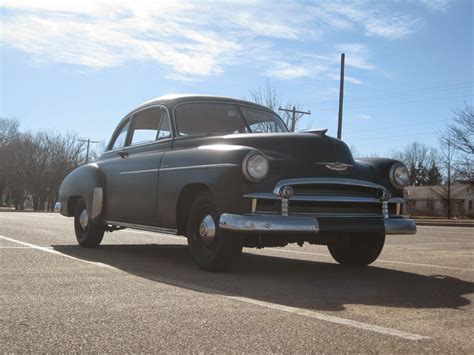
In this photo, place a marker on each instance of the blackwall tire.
(88, 234)
(359, 250)
(211, 248)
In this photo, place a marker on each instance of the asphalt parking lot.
(140, 292)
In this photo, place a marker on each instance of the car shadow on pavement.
(297, 283)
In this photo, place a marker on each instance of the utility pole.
(449, 179)
(294, 118)
(88, 144)
(341, 98)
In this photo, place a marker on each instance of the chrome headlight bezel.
(249, 172)
(396, 178)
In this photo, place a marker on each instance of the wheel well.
(186, 197)
(71, 204)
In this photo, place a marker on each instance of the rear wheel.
(88, 234)
(358, 250)
(211, 248)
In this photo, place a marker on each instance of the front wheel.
(88, 234)
(211, 248)
(358, 249)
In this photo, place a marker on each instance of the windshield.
(220, 119)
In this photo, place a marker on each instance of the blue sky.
(82, 65)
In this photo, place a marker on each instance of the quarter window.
(165, 128)
(121, 137)
(261, 121)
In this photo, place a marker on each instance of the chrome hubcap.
(207, 229)
(84, 219)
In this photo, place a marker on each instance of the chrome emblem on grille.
(336, 166)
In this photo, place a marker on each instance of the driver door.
(131, 172)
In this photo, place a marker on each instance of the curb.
(443, 224)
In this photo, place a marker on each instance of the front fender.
(218, 167)
(381, 168)
(87, 182)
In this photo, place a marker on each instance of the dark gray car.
(226, 174)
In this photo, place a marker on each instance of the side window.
(208, 118)
(121, 137)
(145, 126)
(150, 125)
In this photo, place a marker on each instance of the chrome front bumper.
(259, 223)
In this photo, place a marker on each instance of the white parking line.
(293, 310)
(332, 319)
(52, 251)
(7, 247)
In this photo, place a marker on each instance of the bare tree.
(33, 165)
(420, 159)
(8, 133)
(461, 135)
(269, 96)
(9, 129)
(461, 132)
(448, 152)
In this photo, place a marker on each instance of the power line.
(410, 92)
(447, 87)
(402, 102)
(396, 126)
(385, 97)
(388, 137)
(294, 118)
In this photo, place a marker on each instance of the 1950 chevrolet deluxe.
(227, 174)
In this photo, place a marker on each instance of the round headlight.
(255, 167)
(399, 175)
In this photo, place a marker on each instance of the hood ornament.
(336, 166)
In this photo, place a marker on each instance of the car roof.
(173, 100)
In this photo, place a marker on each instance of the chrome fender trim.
(57, 207)
(97, 203)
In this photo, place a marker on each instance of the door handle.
(122, 154)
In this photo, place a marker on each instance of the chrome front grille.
(333, 190)
(325, 196)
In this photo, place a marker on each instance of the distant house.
(433, 200)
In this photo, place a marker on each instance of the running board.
(142, 227)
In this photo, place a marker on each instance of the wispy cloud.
(375, 18)
(191, 40)
(437, 5)
(362, 117)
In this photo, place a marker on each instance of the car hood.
(305, 155)
(316, 147)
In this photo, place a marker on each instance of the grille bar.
(318, 196)
(327, 181)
